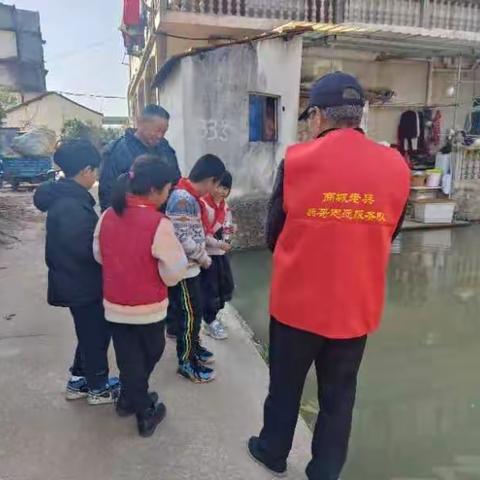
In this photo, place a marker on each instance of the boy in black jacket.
(74, 277)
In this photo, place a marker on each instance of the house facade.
(239, 102)
(164, 28)
(22, 66)
(410, 55)
(50, 110)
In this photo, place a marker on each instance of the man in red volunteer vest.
(337, 204)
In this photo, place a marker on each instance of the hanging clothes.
(131, 13)
(408, 132)
(133, 25)
(414, 131)
(436, 129)
(472, 122)
(422, 133)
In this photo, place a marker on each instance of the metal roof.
(391, 40)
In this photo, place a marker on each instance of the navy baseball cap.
(335, 90)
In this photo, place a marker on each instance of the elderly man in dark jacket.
(149, 137)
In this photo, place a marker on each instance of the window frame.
(276, 118)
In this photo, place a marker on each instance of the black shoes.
(278, 469)
(148, 421)
(125, 410)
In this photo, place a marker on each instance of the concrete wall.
(208, 99)
(8, 44)
(210, 93)
(21, 50)
(171, 98)
(467, 196)
(50, 111)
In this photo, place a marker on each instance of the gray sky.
(84, 49)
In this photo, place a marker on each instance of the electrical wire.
(84, 49)
(199, 39)
(91, 95)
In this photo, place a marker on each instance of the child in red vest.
(140, 254)
(217, 281)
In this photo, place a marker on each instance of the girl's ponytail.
(147, 172)
(119, 193)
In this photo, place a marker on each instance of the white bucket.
(434, 180)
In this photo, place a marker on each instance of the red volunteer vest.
(343, 195)
(130, 272)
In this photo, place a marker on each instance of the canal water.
(418, 407)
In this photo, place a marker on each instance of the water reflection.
(418, 411)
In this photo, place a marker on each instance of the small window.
(263, 118)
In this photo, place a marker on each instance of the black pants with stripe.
(337, 362)
(186, 300)
(138, 349)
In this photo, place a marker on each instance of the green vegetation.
(98, 135)
(7, 100)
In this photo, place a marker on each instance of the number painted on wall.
(214, 130)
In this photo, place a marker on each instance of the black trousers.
(186, 300)
(217, 287)
(172, 315)
(93, 335)
(337, 362)
(138, 349)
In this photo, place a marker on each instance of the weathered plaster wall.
(8, 44)
(21, 50)
(467, 196)
(208, 98)
(171, 98)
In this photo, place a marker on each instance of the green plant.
(7, 100)
(98, 135)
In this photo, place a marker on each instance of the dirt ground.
(16, 211)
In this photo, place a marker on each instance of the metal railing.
(328, 11)
(460, 15)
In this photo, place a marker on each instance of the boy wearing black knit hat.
(74, 277)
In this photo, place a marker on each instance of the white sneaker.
(106, 395)
(216, 330)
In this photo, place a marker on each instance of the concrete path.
(44, 437)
